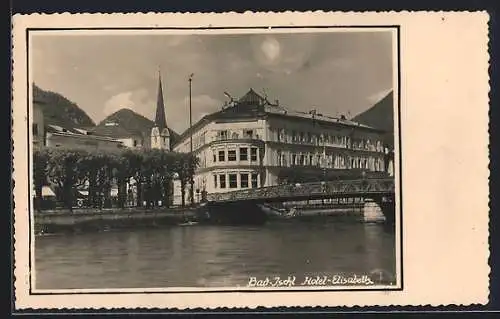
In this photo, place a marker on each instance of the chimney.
(277, 102)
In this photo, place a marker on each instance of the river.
(210, 256)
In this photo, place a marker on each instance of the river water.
(210, 256)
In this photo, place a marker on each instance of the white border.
(437, 233)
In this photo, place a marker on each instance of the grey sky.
(334, 72)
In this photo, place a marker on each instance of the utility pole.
(191, 190)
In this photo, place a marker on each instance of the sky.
(333, 72)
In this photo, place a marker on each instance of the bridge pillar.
(387, 206)
(372, 212)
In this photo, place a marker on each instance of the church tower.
(160, 136)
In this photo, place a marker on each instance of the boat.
(189, 223)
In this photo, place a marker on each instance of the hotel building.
(253, 143)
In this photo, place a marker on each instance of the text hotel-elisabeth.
(253, 143)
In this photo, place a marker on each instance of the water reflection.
(210, 256)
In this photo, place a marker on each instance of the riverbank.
(83, 220)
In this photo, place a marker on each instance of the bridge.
(380, 190)
(315, 190)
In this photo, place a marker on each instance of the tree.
(64, 171)
(40, 173)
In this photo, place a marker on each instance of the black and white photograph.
(240, 160)
(202, 161)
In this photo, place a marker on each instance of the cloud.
(203, 103)
(136, 100)
(342, 63)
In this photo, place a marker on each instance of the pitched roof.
(72, 131)
(251, 97)
(115, 130)
(253, 105)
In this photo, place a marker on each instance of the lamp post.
(191, 190)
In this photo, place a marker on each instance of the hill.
(380, 116)
(135, 123)
(58, 110)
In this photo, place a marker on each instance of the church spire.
(160, 118)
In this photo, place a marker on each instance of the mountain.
(134, 123)
(380, 116)
(58, 110)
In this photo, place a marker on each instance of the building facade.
(38, 125)
(253, 143)
(74, 138)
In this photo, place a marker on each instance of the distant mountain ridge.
(58, 110)
(129, 120)
(133, 123)
(381, 116)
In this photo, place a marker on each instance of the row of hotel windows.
(231, 180)
(234, 135)
(330, 161)
(292, 136)
(222, 135)
(282, 135)
(220, 155)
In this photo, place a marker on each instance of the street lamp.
(191, 190)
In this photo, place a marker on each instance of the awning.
(84, 193)
(47, 192)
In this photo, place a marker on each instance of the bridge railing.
(334, 188)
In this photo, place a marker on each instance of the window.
(253, 154)
(215, 157)
(35, 129)
(310, 160)
(135, 143)
(215, 181)
(278, 157)
(233, 181)
(231, 155)
(234, 136)
(302, 137)
(223, 135)
(243, 154)
(244, 180)
(318, 160)
(248, 133)
(222, 156)
(294, 136)
(222, 181)
(294, 159)
(254, 180)
(302, 159)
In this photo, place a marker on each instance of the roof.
(116, 131)
(253, 105)
(77, 132)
